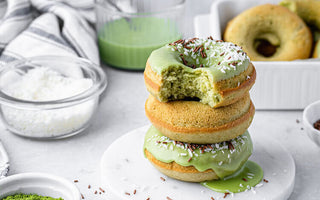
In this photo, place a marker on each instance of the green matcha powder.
(29, 197)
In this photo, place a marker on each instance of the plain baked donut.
(215, 72)
(308, 10)
(316, 51)
(274, 24)
(194, 122)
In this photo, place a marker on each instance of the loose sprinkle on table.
(212, 198)
(134, 191)
(127, 193)
(89, 186)
(226, 194)
(82, 197)
(265, 180)
(163, 179)
(76, 181)
(101, 190)
(169, 198)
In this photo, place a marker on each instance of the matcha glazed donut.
(194, 162)
(215, 72)
(273, 26)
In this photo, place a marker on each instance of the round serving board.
(125, 171)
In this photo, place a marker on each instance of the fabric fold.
(45, 27)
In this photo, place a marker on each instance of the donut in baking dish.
(316, 51)
(192, 121)
(194, 162)
(215, 72)
(308, 10)
(270, 33)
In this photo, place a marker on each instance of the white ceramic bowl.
(310, 115)
(39, 183)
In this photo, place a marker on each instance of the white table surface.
(122, 110)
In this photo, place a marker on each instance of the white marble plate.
(124, 169)
(4, 161)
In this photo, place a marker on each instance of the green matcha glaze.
(223, 59)
(29, 197)
(219, 157)
(247, 177)
(128, 44)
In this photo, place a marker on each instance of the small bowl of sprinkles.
(50, 97)
(311, 120)
(37, 186)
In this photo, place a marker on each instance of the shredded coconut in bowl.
(45, 84)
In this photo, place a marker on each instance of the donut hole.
(191, 99)
(179, 84)
(265, 48)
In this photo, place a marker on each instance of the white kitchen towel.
(47, 27)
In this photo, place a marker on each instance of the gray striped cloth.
(47, 27)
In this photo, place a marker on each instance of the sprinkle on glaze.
(228, 56)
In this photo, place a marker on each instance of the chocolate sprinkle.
(226, 194)
(230, 145)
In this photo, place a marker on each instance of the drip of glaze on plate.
(247, 177)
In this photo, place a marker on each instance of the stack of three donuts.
(194, 138)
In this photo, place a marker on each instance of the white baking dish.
(279, 85)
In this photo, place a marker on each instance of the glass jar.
(129, 30)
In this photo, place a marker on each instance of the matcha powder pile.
(29, 197)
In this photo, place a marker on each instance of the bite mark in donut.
(196, 69)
